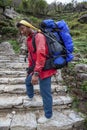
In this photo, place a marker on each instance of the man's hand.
(34, 79)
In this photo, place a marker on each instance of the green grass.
(15, 45)
(80, 46)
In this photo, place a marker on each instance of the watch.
(36, 73)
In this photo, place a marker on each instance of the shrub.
(84, 86)
(9, 31)
(35, 21)
(3, 23)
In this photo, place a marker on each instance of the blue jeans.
(45, 91)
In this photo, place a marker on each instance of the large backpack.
(59, 41)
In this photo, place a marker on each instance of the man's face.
(24, 30)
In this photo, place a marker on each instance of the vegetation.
(36, 11)
(4, 4)
(36, 7)
(15, 44)
(84, 86)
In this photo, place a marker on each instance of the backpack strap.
(49, 39)
(47, 42)
(33, 42)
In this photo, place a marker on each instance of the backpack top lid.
(48, 23)
(62, 25)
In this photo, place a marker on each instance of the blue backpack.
(59, 41)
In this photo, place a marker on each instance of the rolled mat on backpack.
(24, 22)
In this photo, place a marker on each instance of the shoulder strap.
(47, 42)
(33, 41)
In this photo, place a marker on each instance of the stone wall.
(81, 80)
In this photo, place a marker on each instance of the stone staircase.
(16, 114)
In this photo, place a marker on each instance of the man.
(38, 75)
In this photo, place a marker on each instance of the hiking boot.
(28, 101)
(43, 119)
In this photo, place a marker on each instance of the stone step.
(3, 62)
(13, 56)
(17, 113)
(20, 102)
(21, 76)
(25, 120)
(13, 66)
(18, 80)
(12, 73)
(21, 89)
(2, 52)
(19, 58)
(9, 73)
(4, 59)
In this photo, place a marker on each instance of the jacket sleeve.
(40, 41)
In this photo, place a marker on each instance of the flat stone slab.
(18, 121)
(14, 76)
(12, 89)
(24, 120)
(6, 48)
(69, 120)
(5, 121)
(17, 101)
(21, 89)
(14, 65)
(9, 57)
(12, 58)
(18, 80)
(4, 60)
(13, 80)
(14, 73)
(10, 101)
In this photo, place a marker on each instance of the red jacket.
(39, 56)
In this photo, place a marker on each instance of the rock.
(10, 13)
(23, 48)
(9, 102)
(5, 121)
(6, 48)
(81, 68)
(82, 77)
(24, 120)
(83, 19)
(62, 121)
